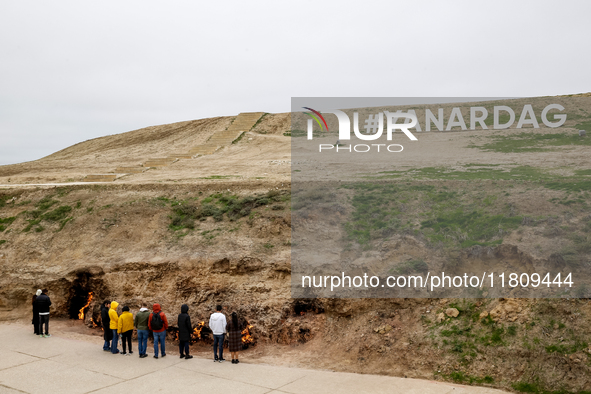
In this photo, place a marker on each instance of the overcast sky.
(76, 70)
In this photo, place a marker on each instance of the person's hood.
(156, 308)
(142, 309)
(126, 312)
(184, 308)
(216, 316)
(38, 292)
(114, 305)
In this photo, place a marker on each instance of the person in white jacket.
(217, 324)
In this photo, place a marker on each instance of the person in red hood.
(158, 324)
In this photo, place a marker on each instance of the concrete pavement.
(29, 364)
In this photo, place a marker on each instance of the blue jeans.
(142, 341)
(114, 349)
(107, 345)
(160, 337)
(218, 342)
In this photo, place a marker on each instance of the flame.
(81, 313)
(196, 335)
(246, 337)
(94, 325)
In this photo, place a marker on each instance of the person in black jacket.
(36, 313)
(185, 330)
(43, 304)
(106, 323)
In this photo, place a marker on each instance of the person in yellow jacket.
(125, 328)
(113, 325)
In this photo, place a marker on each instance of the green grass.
(572, 186)
(57, 214)
(532, 142)
(237, 140)
(562, 348)
(6, 222)
(450, 218)
(461, 377)
(528, 387)
(259, 121)
(303, 133)
(63, 223)
(219, 177)
(584, 126)
(219, 206)
(32, 222)
(3, 241)
(471, 228)
(411, 267)
(45, 203)
(3, 199)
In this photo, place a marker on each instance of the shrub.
(45, 203)
(57, 214)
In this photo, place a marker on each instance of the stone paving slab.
(260, 375)
(29, 364)
(47, 376)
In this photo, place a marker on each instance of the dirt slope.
(217, 229)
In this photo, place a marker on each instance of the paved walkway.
(29, 364)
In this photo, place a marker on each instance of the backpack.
(157, 323)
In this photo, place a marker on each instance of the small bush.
(58, 214)
(6, 222)
(45, 203)
(526, 387)
(32, 222)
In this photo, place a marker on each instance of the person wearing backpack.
(185, 331)
(141, 323)
(158, 323)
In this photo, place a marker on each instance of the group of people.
(117, 326)
(120, 326)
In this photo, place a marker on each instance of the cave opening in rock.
(307, 305)
(83, 298)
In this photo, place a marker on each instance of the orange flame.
(81, 313)
(246, 337)
(197, 331)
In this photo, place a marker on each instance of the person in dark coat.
(234, 329)
(185, 331)
(106, 323)
(36, 313)
(43, 303)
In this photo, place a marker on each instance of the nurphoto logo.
(374, 124)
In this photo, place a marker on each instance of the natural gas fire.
(81, 313)
(196, 335)
(247, 339)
